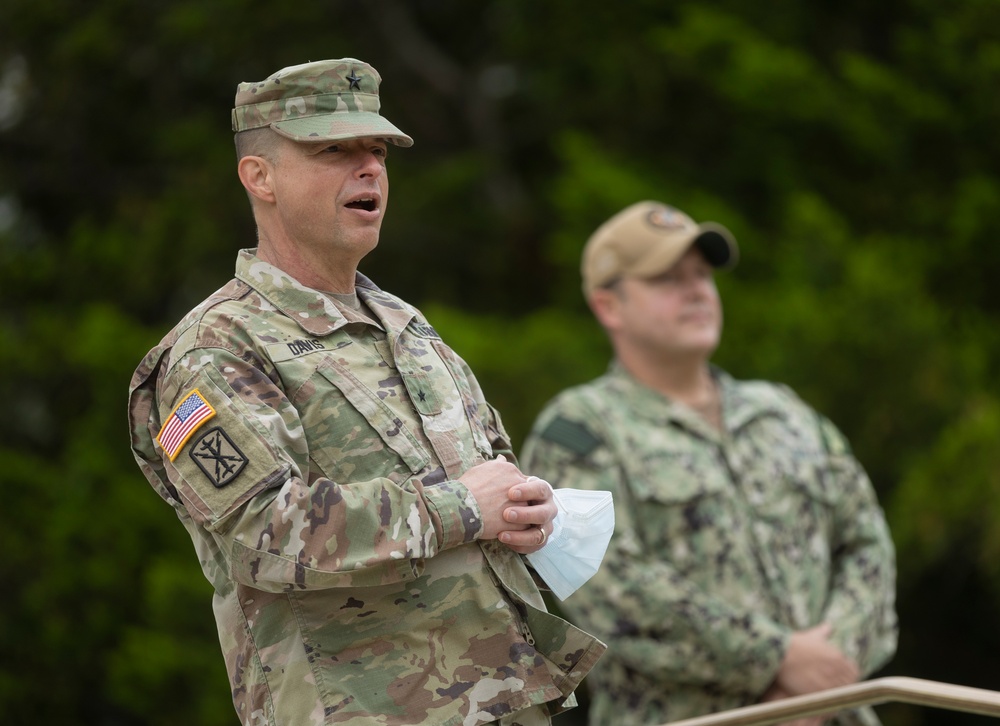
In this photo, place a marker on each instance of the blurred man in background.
(351, 495)
(750, 559)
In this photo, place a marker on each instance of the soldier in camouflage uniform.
(750, 559)
(352, 497)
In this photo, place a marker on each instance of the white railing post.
(867, 693)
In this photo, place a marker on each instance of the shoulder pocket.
(227, 459)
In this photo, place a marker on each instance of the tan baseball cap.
(646, 239)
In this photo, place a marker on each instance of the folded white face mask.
(580, 535)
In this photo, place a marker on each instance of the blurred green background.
(851, 146)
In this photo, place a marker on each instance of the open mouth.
(368, 205)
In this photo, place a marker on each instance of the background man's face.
(677, 312)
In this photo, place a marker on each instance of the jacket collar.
(311, 310)
(741, 403)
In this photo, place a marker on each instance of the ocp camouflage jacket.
(313, 458)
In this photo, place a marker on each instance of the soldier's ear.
(256, 175)
(605, 303)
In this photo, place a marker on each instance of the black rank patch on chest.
(218, 457)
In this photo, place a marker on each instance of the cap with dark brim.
(718, 245)
(646, 239)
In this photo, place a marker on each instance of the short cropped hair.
(256, 142)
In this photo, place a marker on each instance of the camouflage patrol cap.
(647, 238)
(324, 100)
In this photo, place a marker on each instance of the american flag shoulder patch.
(186, 418)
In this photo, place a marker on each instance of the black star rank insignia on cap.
(218, 457)
(355, 81)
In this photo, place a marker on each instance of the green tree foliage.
(850, 146)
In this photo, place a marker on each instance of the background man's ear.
(605, 304)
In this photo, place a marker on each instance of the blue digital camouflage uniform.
(724, 543)
(313, 458)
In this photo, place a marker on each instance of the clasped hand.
(516, 509)
(812, 663)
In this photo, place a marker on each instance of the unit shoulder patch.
(572, 435)
(219, 458)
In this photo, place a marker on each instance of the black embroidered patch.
(217, 456)
(574, 436)
(424, 330)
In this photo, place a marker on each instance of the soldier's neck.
(688, 382)
(320, 272)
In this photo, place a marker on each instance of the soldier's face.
(332, 196)
(675, 313)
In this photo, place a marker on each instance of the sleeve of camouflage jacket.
(280, 523)
(861, 606)
(653, 619)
